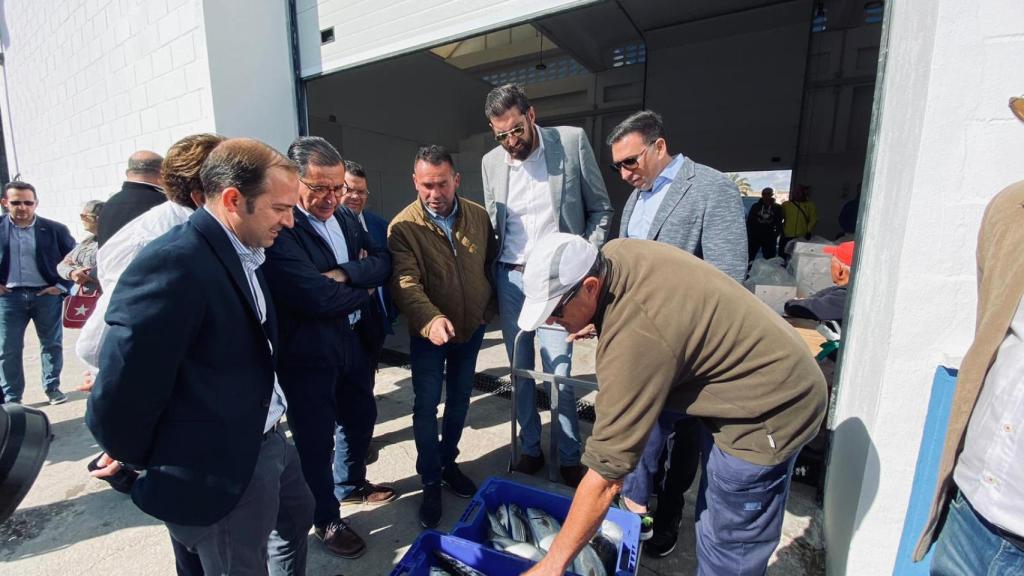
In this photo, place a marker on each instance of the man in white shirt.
(537, 182)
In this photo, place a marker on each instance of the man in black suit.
(30, 289)
(322, 274)
(188, 390)
(140, 192)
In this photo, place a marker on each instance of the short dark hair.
(355, 168)
(306, 150)
(503, 98)
(241, 163)
(435, 155)
(150, 166)
(645, 122)
(769, 190)
(20, 185)
(180, 169)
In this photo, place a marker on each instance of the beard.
(521, 150)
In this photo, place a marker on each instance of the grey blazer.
(701, 213)
(578, 194)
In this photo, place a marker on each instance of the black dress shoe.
(530, 464)
(460, 484)
(430, 508)
(572, 475)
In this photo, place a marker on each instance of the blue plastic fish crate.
(473, 526)
(420, 557)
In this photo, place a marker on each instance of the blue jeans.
(556, 358)
(969, 544)
(16, 308)
(740, 507)
(452, 367)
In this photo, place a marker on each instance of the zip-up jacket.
(435, 277)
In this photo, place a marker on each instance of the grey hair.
(504, 98)
(93, 207)
(147, 166)
(306, 150)
(647, 123)
(355, 168)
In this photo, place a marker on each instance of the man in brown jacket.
(442, 248)
(709, 349)
(977, 518)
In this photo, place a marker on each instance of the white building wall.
(945, 144)
(89, 82)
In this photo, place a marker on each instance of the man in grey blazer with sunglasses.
(537, 182)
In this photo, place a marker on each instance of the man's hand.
(82, 276)
(49, 291)
(441, 331)
(363, 254)
(108, 467)
(337, 274)
(4, 290)
(586, 333)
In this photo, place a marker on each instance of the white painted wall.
(88, 83)
(368, 31)
(945, 144)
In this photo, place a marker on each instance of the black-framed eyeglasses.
(323, 190)
(22, 202)
(629, 163)
(518, 132)
(560, 308)
(350, 191)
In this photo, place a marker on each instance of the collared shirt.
(251, 259)
(990, 471)
(24, 271)
(529, 213)
(648, 201)
(445, 223)
(377, 291)
(331, 232)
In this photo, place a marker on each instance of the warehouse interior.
(743, 85)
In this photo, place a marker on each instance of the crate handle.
(470, 510)
(627, 559)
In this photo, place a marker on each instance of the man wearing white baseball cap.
(674, 333)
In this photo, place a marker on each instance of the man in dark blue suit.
(323, 274)
(188, 390)
(30, 289)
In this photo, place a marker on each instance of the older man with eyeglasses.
(537, 182)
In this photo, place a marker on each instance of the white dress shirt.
(112, 260)
(990, 471)
(529, 212)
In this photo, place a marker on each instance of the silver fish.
(543, 527)
(611, 531)
(588, 563)
(456, 566)
(502, 516)
(517, 524)
(435, 571)
(521, 549)
(606, 551)
(497, 527)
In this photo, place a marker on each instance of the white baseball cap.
(558, 263)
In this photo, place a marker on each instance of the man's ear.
(231, 199)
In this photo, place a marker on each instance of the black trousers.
(766, 244)
(683, 462)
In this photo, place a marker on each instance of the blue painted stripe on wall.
(926, 473)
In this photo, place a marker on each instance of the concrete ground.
(72, 524)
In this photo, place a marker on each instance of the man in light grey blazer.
(698, 209)
(537, 182)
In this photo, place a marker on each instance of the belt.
(507, 266)
(1010, 537)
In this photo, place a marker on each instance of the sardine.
(521, 549)
(497, 527)
(502, 515)
(543, 527)
(456, 566)
(588, 563)
(517, 524)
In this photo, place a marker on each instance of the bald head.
(144, 166)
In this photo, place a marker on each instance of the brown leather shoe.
(572, 475)
(371, 494)
(530, 464)
(341, 539)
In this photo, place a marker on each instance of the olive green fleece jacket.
(675, 333)
(432, 277)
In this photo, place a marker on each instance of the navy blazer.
(187, 374)
(378, 229)
(53, 242)
(314, 308)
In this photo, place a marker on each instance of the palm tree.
(742, 183)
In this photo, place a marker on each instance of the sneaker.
(341, 539)
(663, 540)
(430, 508)
(530, 464)
(646, 520)
(56, 397)
(371, 494)
(573, 475)
(453, 479)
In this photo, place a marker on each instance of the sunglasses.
(560, 308)
(323, 190)
(518, 131)
(628, 163)
(22, 202)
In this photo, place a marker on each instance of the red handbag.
(79, 306)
